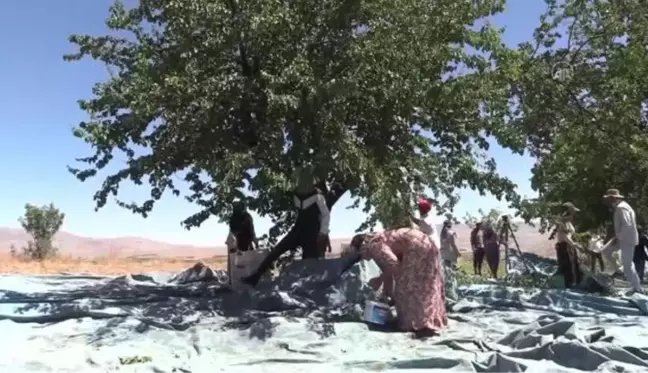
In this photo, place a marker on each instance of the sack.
(242, 264)
(230, 242)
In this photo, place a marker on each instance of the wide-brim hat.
(570, 206)
(613, 193)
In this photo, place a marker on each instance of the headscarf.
(445, 230)
(424, 206)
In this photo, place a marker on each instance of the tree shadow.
(201, 295)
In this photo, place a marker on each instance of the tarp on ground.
(191, 323)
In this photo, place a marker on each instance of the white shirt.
(320, 200)
(595, 244)
(447, 247)
(565, 231)
(625, 226)
(427, 226)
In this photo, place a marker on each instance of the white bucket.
(244, 263)
(377, 313)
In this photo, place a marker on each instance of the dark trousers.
(640, 266)
(244, 242)
(596, 258)
(568, 264)
(308, 241)
(478, 259)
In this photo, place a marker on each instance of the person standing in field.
(491, 249)
(477, 245)
(626, 237)
(566, 250)
(640, 255)
(424, 222)
(242, 235)
(449, 250)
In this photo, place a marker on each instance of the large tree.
(581, 94)
(381, 97)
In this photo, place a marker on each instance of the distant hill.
(69, 244)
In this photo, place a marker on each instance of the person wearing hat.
(566, 254)
(424, 221)
(412, 276)
(626, 236)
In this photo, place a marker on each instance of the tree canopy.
(493, 217)
(588, 129)
(382, 98)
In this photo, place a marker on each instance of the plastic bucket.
(377, 313)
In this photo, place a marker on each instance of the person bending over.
(412, 275)
(310, 231)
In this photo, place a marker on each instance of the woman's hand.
(376, 282)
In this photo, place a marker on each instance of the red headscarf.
(424, 206)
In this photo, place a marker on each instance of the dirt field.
(123, 255)
(102, 266)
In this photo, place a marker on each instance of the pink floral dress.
(411, 258)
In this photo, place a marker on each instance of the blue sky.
(38, 95)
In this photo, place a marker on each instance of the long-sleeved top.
(448, 245)
(477, 238)
(427, 226)
(313, 211)
(625, 226)
(491, 238)
(242, 228)
(564, 231)
(640, 249)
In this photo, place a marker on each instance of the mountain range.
(87, 247)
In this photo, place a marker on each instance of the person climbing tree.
(310, 231)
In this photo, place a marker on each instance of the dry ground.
(106, 265)
(117, 256)
(102, 266)
(124, 265)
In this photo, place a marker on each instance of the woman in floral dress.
(412, 276)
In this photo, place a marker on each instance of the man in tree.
(242, 228)
(625, 237)
(310, 231)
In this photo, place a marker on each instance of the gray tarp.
(190, 323)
